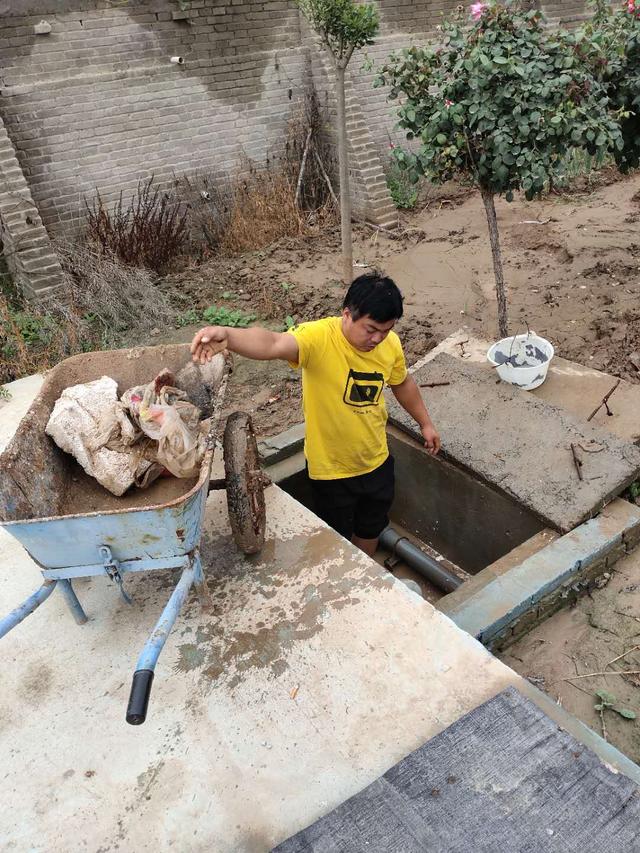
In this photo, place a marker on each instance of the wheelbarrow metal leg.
(23, 610)
(72, 600)
(200, 582)
(143, 676)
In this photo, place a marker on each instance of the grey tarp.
(502, 779)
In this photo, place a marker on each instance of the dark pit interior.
(455, 515)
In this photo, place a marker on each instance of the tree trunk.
(501, 295)
(345, 197)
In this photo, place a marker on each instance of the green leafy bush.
(403, 191)
(498, 102)
(609, 44)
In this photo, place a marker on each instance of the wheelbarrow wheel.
(244, 483)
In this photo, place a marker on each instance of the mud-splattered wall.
(97, 102)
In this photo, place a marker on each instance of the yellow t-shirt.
(342, 398)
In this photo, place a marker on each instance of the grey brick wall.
(97, 104)
(25, 243)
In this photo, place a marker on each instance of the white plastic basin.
(522, 360)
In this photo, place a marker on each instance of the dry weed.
(119, 297)
(151, 231)
(104, 303)
(258, 205)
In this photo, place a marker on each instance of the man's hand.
(431, 438)
(208, 342)
(409, 396)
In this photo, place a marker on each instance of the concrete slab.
(570, 385)
(314, 673)
(486, 611)
(12, 410)
(520, 444)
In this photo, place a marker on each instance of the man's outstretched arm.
(257, 343)
(409, 396)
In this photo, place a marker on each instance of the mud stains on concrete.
(265, 604)
(36, 683)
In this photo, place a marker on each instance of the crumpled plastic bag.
(89, 422)
(164, 414)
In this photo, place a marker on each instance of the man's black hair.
(375, 295)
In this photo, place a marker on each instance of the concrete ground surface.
(570, 385)
(313, 674)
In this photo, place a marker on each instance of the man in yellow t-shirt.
(346, 361)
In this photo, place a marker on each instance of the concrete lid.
(521, 444)
(572, 386)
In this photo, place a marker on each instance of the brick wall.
(97, 104)
(33, 265)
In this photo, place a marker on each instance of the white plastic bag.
(164, 414)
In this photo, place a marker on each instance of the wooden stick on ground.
(380, 229)
(433, 384)
(608, 672)
(326, 177)
(302, 165)
(603, 402)
(577, 461)
(604, 728)
(623, 655)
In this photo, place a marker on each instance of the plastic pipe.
(419, 561)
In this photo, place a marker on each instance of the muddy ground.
(572, 267)
(586, 639)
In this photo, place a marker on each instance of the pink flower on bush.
(448, 103)
(478, 9)
(631, 6)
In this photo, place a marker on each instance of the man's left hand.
(431, 438)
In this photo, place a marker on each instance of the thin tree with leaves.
(609, 44)
(343, 27)
(499, 103)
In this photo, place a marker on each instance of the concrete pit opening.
(460, 524)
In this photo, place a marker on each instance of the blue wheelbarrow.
(73, 528)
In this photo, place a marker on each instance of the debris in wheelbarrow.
(153, 428)
(90, 423)
(164, 414)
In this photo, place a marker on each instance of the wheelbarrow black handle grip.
(139, 696)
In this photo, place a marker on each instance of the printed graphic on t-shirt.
(363, 389)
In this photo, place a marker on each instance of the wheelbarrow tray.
(60, 515)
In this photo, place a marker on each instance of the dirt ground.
(572, 267)
(586, 639)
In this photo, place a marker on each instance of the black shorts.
(356, 505)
